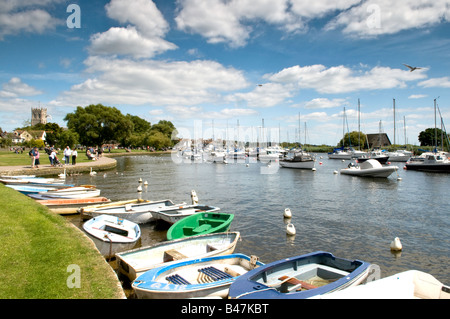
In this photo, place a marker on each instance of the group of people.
(54, 161)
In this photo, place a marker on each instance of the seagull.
(412, 68)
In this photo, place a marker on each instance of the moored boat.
(369, 168)
(200, 224)
(111, 234)
(429, 162)
(194, 278)
(29, 190)
(410, 284)
(303, 276)
(135, 262)
(88, 193)
(66, 206)
(298, 159)
(175, 213)
(139, 213)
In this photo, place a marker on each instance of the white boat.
(80, 193)
(85, 210)
(139, 213)
(134, 263)
(411, 284)
(15, 180)
(195, 278)
(111, 234)
(298, 159)
(67, 206)
(173, 214)
(217, 156)
(369, 168)
(30, 189)
(269, 154)
(399, 156)
(340, 154)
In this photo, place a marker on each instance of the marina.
(351, 217)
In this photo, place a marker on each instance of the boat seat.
(294, 281)
(177, 280)
(172, 254)
(202, 228)
(214, 273)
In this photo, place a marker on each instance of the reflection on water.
(349, 216)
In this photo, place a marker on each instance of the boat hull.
(153, 285)
(282, 279)
(112, 235)
(172, 215)
(200, 224)
(375, 172)
(139, 213)
(299, 165)
(444, 168)
(71, 206)
(134, 263)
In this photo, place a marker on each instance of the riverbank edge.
(104, 163)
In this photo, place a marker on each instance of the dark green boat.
(200, 224)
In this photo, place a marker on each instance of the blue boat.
(194, 278)
(301, 277)
(27, 190)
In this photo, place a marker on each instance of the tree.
(428, 137)
(139, 125)
(98, 124)
(354, 139)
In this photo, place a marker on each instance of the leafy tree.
(428, 137)
(158, 140)
(354, 139)
(139, 125)
(165, 127)
(98, 124)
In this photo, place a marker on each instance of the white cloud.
(267, 95)
(16, 88)
(376, 17)
(16, 18)
(417, 96)
(324, 103)
(443, 82)
(122, 81)
(341, 79)
(142, 38)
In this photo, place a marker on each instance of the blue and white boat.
(301, 277)
(27, 190)
(196, 278)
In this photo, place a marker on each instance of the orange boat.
(67, 206)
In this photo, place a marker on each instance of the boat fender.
(396, 245)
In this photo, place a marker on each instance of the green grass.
(38, 246)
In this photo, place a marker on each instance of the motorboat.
(369, 168)
(429, 162)
(298, 159)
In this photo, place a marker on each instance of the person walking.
(67, 154)
(32, 156)
(36, 157)
(74, 156)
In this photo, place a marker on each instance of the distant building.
(378, 140)
(38, 115)
(20, 136)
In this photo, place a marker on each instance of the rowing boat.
(135, 262)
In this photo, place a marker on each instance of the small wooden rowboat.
(67, 206)
(111, 234)
(135, 262)
(194, 278)
(302, 277)
(173, 214)
(200, 224)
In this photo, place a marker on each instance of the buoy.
(320, 163)
(139, 189)
(399, 178)
(313, 169)
(287, 213)
(335, 172)
(396, 245)
(140, 180)
(290, 229)
(145, 183)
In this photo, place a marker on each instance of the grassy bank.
(38, 253)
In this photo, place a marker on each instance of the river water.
(351, 217)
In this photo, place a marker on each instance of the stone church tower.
(38, 115)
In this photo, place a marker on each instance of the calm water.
(351, 217)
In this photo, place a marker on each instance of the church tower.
(38, 115)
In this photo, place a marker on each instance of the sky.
(282, 70)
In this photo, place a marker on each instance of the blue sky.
(209, 65)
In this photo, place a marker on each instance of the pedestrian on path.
(36, 158)
(32, 155)
(67, 154)
(74, 156)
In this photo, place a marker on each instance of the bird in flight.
(411, 68)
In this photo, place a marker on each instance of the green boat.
(200, 224)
